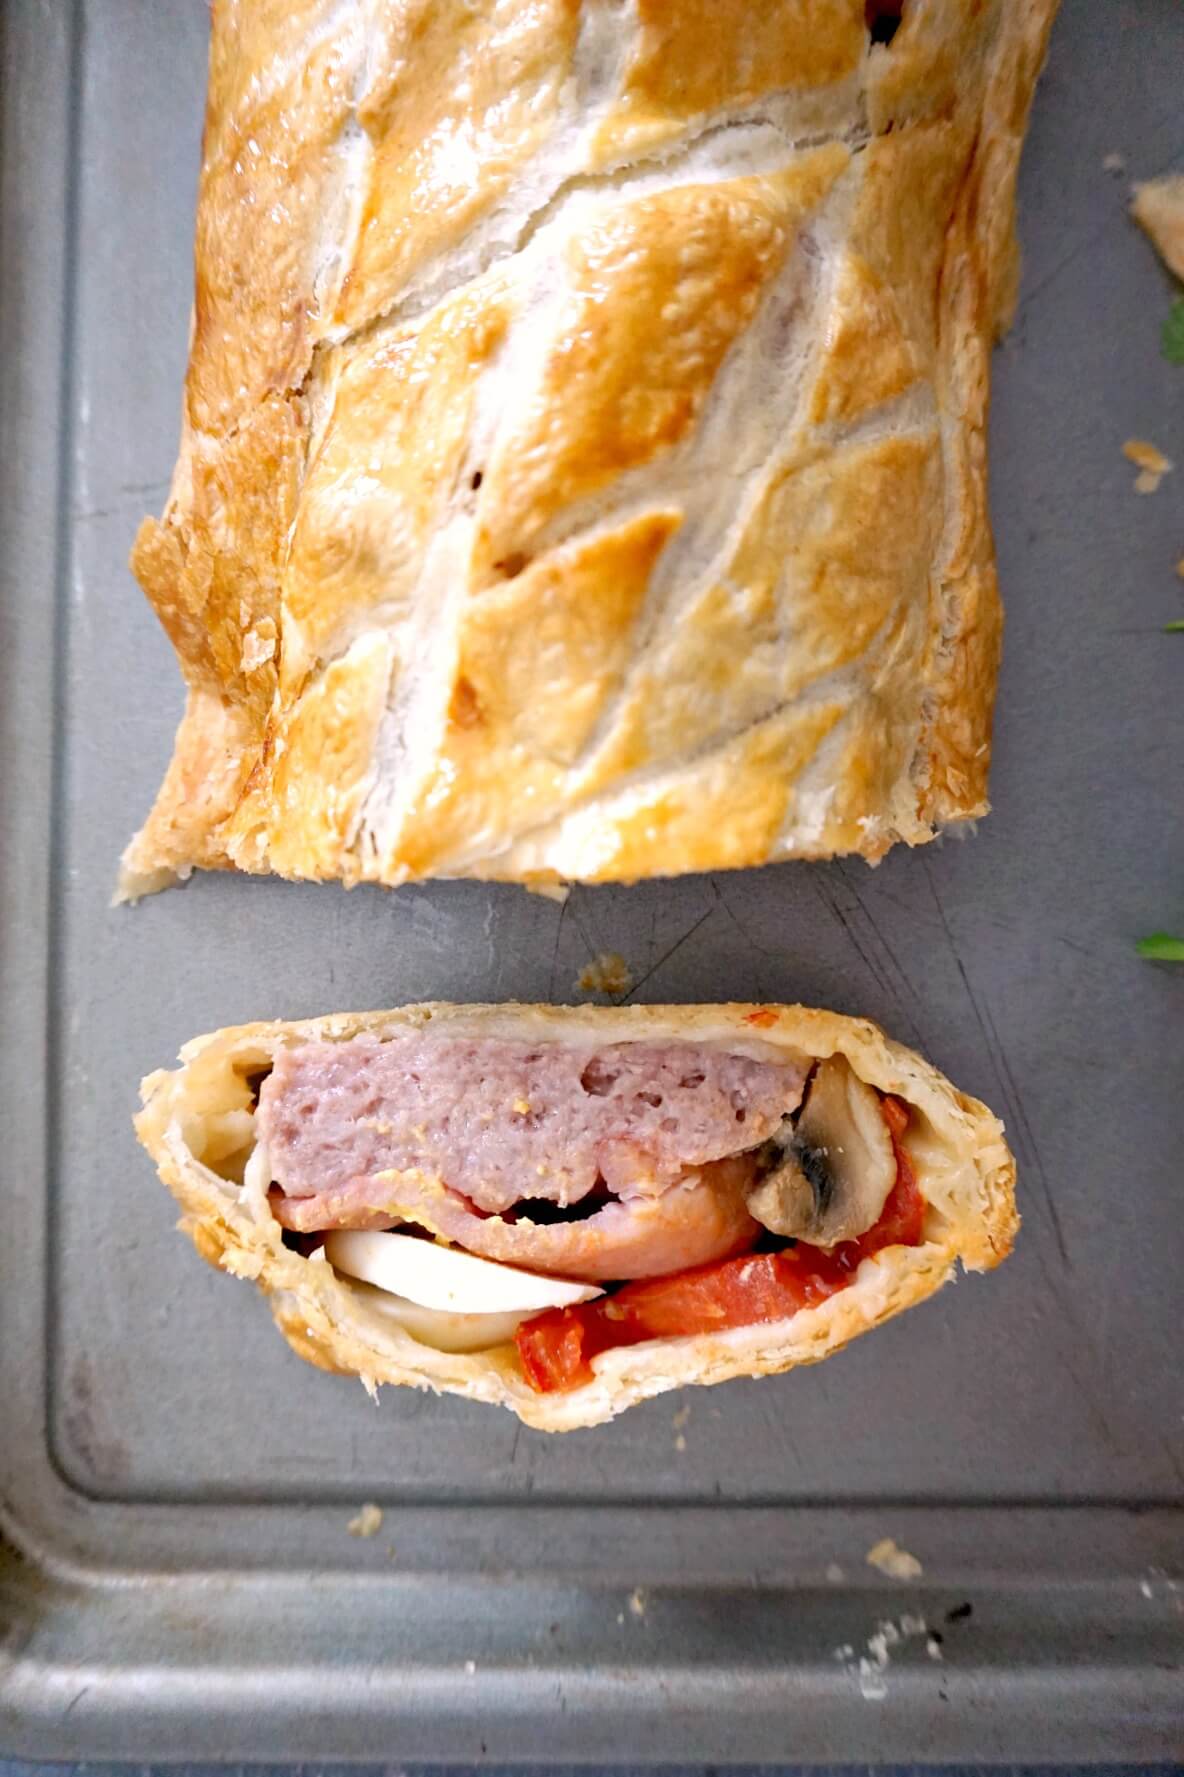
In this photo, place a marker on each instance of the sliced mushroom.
(837, 1165)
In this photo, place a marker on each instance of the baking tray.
(179, 1581)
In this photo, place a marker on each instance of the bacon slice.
(691, 1223)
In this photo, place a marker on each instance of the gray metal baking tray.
(178, 1580)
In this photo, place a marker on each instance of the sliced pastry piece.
(583, 464)
(565, 1211)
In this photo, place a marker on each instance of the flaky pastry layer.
(197, 1124)
(583, 468)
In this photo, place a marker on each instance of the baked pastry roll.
(583, 463)
(565, 1211)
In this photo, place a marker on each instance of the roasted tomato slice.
(557, 1348)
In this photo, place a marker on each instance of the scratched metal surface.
(158, 1424)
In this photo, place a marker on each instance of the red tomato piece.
(902, 1219)
(551, 1347)
(556, 1348)
(895, 1114)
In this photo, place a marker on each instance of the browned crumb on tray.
(894, 1561)
(1150, 462)
(367, 1522)
(607, 973)
(1158, 207)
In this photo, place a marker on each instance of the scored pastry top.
(582, 469)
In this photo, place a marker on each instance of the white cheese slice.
(436, 1327)
(445, 1278)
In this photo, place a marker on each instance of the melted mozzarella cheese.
(444, 1278)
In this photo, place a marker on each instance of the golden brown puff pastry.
(199, 1124)
(583, 465)
(1158, 207)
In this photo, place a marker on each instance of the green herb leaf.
(1161, 947)
(1172, 338)
(1175, 627)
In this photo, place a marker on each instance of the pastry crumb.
(896, 1562)
(1158, 208)
(681, 1417)
(1180, 567)
(607, 973)
(1146, 455)
(680, 1443)
(637, 1602)
(367, 1521)
(1150, 462)
(1113, 163)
